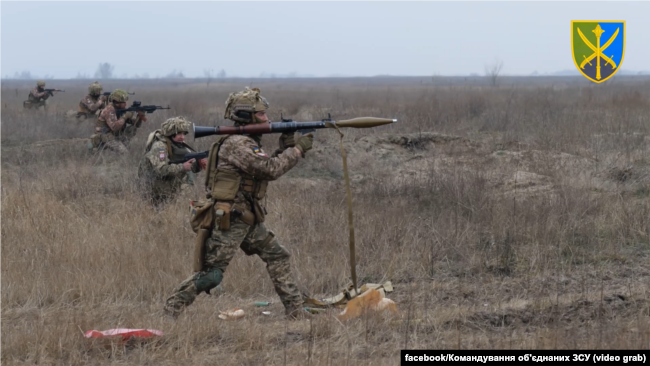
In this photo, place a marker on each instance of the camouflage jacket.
(35, 96)
(109, 123)
(158, 174)
(90, 104)
(244, 155)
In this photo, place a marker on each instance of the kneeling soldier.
(161, 174)
(90, 106)
(38, 96)
(112, 132)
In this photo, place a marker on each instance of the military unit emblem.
(598, 47)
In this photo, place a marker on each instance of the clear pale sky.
(245, 39)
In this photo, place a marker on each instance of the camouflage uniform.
(160, 179)
(243, 155)
(90, 106)
(114, 133)
(37, 97)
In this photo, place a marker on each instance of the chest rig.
(225, 185)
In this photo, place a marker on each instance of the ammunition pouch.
(202, 215)
(257, 188)
(244, 214)
(226, 185)
(222, 215)
(206, 281)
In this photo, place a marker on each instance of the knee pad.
(206, 281)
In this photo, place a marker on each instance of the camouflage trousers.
(116, 145)
(221, 248)
(28, 104)
(160, 191)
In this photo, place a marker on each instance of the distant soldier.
(38, 96)
(90, 106)
(114, 133)
(161, 174)
(237, 176)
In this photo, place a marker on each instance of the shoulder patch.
(259, 152)
(161, 154)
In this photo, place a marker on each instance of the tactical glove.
(141, 116)
(203, 163)
(127, 116)
(287, 140)
(305, 143)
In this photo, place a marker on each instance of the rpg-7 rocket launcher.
(291, 126)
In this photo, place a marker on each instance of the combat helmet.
(40, 83)
(241, 106)
(95, 88)
(175, 125)
(118, 96)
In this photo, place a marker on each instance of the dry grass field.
(515, 217)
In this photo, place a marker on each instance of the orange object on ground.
(371, 300)
(125, 333)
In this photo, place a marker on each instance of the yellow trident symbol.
(598, 51)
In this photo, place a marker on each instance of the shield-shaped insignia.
(598, 47)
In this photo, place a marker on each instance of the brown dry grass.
(515, 217)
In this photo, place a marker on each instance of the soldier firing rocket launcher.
(284, 127)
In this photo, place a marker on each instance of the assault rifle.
(190, 156)
(138, 107)
(289, 126)
(107, 94)
(50, 91)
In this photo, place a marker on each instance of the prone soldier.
(162, 172)
(237, 176)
